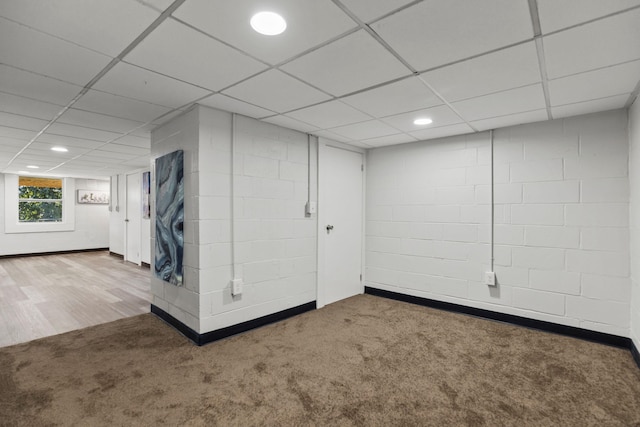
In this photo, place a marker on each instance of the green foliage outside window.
(39, 204)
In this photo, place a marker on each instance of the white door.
(340, 224)
(133, 215)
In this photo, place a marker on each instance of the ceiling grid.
(358, 71)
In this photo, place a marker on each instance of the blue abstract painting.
(169, 217)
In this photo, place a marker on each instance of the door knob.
(329, 228)
(126, 220)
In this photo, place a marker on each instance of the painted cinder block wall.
(275, 243)
(634, 181)
(561, 208)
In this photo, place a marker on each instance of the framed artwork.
(93, 197)
(169, 247)
(146, 192)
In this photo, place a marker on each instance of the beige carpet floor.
(364, 361)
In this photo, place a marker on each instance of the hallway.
(51, 294)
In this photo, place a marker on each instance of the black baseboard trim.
(146, 265)
(571, 331)
(635, 353)
(116, 255)
(74, 251)
(208, 337)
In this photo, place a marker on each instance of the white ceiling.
(96, 76)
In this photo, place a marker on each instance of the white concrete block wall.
(634, 186)
(428, 212)
(182, 303)
(275, 243)
(561, 221)
(575, 217)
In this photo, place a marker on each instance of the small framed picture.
(93, 197)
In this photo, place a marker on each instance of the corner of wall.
(634, 216)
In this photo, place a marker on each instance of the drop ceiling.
(96, 76)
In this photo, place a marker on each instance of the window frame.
(11, 199)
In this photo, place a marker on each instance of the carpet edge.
(635, 353)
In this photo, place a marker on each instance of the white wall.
(117, 214)
(561, 221)
(275, 244)
(634, 181)
(117, 217)
(91, 227)
(183, 303)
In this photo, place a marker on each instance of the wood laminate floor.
(51, 294)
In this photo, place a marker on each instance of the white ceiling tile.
(333, 136)
(48, 55)
(369, 10)
(382, 141)
(595, 45)
(605, 82)
(510, 120)
(328, 115)
(67, 141)
(105, 26)
(178, 51)
(274, 90)
(134, 141)
(555, 14)
(290, 123)
(81, 132)
(359, 144)
(131, 81)
(365, 130)
(44, 149)
(34, 86)
(21, 122)
(309, 23)
(593, 106)
(512, 101)
(441, 116)
(97, 121)
(351, 63)
(44, 163)
(102, 154)
(119, 148)
(138, 162)
(28, 107)
(15, 133)
(146, 130)
(405, 95)
(441, 132)
(6, 142)
(119, 106)
(494, 72)
(436, 33)
(158, 5)
(223, 102)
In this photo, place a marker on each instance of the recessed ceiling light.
(24, 172)
(33, 167)
(61, 149)
(268, 23)
(422, 121)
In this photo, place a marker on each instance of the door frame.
(324, 168)
(126, 218)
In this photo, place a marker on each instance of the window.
(38, 204)
(40, 199)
